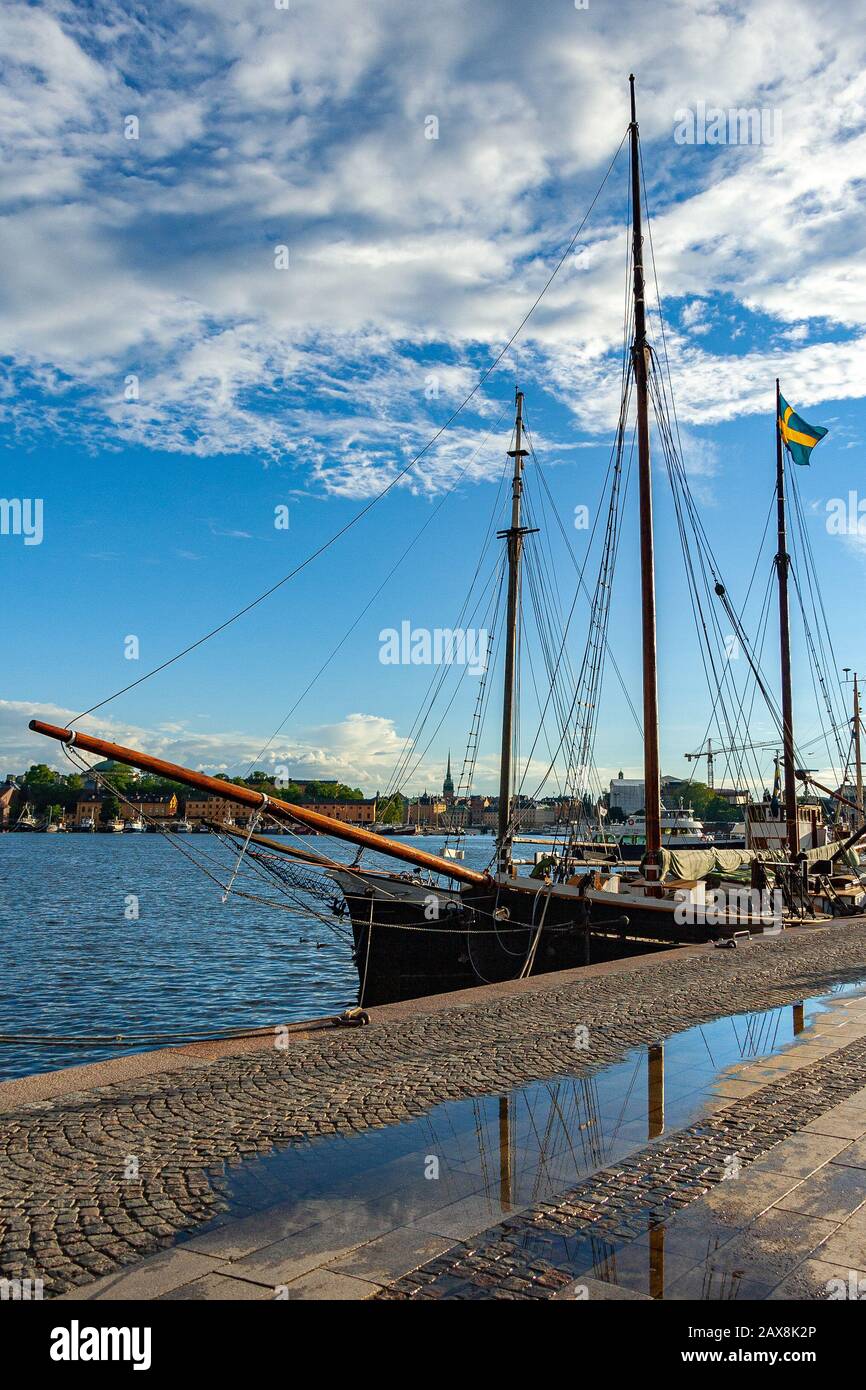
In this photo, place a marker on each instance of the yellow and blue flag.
(798, 437)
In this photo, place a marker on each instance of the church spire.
(448, 784)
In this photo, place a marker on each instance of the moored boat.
(440, 924)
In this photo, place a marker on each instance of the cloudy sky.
(240, 274)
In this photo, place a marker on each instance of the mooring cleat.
(353, 1018)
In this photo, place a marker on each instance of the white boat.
(134, 827)
(680, 830)
(182, 827)
(26, 820)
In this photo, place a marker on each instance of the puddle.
(502, 1151)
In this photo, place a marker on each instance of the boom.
(245, 796)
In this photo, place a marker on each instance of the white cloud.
(361, 749)
(307, 127)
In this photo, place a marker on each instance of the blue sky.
(409, 259)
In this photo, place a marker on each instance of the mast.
(514, 536)
(259, 801)
(640, 364)
(782, 565)
(857, 760)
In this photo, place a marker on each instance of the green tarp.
(697, 863)
(839, 856)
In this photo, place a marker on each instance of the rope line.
(353, 521)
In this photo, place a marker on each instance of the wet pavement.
(534, 1139)
(765, 1198)
(700, 1167)
(312, 1157)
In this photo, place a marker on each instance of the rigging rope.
(403, 472)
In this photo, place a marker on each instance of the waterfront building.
(8, 802)
(627, 793)
(215, 808)
(149, 806)
(735, 796)
(426, 810)
(88, 808)
(362, 812)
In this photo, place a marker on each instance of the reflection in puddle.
(680, 1261)
(501, 1152)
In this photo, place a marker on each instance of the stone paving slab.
(811, 1279)
(152, 1278)
(802, 1154)
(382, 1260)
(97, 1180)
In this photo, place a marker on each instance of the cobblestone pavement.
(544, 1248)
(96, 1180)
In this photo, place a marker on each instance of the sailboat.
(437, 924)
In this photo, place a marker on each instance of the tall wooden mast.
(782, 566)
(640, 364)
(858, 763)
(514, 536)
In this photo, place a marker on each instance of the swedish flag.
(798, 437)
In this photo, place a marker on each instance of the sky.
(257, 254)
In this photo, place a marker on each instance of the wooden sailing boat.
(417, 935)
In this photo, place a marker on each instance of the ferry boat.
(679, 830)
(135, 826)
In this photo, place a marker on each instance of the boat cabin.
(766, 827)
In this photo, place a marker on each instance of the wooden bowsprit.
(260, 801)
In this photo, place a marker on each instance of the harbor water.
(103, 935)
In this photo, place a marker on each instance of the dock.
(147, 1176)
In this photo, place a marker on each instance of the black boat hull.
(484, 936)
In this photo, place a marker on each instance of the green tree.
(39, 775)
(391, 810)
(702, 799)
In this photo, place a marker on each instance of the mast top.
(631, 89)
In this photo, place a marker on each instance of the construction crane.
(709, 752)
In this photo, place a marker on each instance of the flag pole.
(782, 565)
